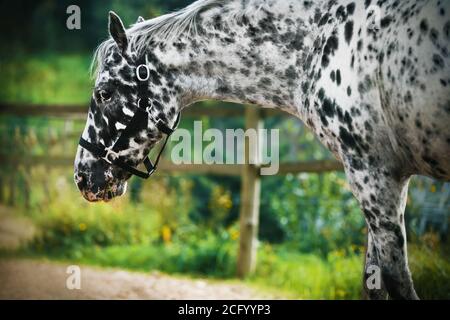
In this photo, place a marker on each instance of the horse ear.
(117, 31)
(140, 19)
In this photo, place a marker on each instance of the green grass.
(46, 79)
(309, 276)
(430, 269)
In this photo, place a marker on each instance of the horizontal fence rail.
(80, 111)
(315, 166)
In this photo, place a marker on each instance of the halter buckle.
(111, 152)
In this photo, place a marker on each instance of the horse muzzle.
(104, 190)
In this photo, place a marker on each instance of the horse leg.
(382, 197)
(369, 283)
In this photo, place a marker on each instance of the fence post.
(250, 199)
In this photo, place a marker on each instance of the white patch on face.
(134, 145)
(120, 126)
(128, 112)
(143, 134)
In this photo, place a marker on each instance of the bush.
(309, 276)
(69, 224)
(430, 269)
(339, 276)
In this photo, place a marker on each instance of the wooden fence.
(250, 173)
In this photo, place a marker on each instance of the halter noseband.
(139, 119)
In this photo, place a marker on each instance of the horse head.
(133, 106)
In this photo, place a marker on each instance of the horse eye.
(103, 95)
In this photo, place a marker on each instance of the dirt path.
(30, 279)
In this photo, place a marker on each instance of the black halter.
(139, 120)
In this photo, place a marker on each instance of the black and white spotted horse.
(370, 78)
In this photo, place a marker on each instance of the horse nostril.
(109, 177)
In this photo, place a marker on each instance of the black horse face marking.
(124, 84)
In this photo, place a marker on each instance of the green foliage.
(203, 253)
(71, 224)
(430, 267)
(46, 79)
(339, 275)
(66, 221)
(309, 276)
(312, 210)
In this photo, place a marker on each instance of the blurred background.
(311, 231)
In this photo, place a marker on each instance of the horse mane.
(169, 26)
(166, 27)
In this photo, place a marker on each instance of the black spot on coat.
(348, 31)
(351, 8)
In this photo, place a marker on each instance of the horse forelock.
(166, 28)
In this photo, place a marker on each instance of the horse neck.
(261, 58)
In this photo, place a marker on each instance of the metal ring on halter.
(110, 151)
(139, 76)
(139, 106)
(138, 103)
(157, 122)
